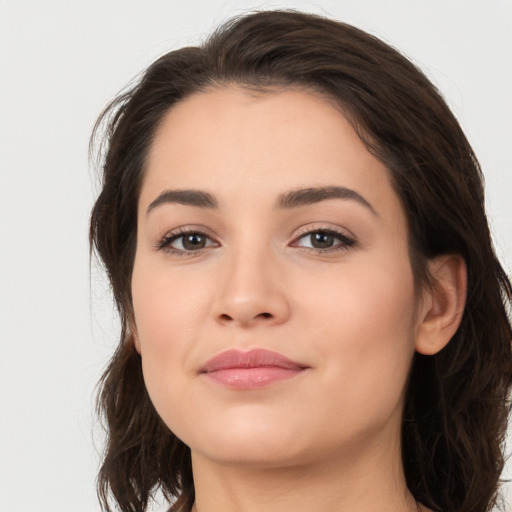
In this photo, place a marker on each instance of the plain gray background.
(60, 62)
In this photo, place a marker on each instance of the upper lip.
(255, 358)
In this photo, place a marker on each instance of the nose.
(251, 292)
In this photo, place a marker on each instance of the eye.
(324, 240)
(185, 242)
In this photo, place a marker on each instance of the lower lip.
(252, 378)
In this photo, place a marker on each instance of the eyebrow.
(306, 196)
(288, 200)
(197, 198)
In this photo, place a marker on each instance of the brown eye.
(321, 240)
(193, 241)
(186, 242)
(324, 240)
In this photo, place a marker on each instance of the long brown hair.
(457, 401)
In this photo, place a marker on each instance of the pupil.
(194, 241)
(322, 240)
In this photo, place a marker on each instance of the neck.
(373, 481)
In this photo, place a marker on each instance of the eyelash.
(165, 243)
(345, 242)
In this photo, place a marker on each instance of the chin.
(250, 440)
(255, 454)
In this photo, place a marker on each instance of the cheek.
(165, 325)
(172, 309)
(167, 306)
(365, 295)
(366, 330)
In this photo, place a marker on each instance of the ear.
(134, 335)
(443, 303)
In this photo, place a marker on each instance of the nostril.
(227, 318)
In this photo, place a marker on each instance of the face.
(273, 295)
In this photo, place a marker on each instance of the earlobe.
(443, 303)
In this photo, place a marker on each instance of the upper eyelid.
(184, 230)
(304, 230)
(344, 232)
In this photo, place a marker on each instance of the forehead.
(244, 146)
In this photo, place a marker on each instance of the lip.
(253, 369)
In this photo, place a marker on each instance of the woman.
(313, 316)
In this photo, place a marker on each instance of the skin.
(329, 438)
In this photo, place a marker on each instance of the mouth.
(254, 369)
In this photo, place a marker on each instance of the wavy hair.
(457, 401)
